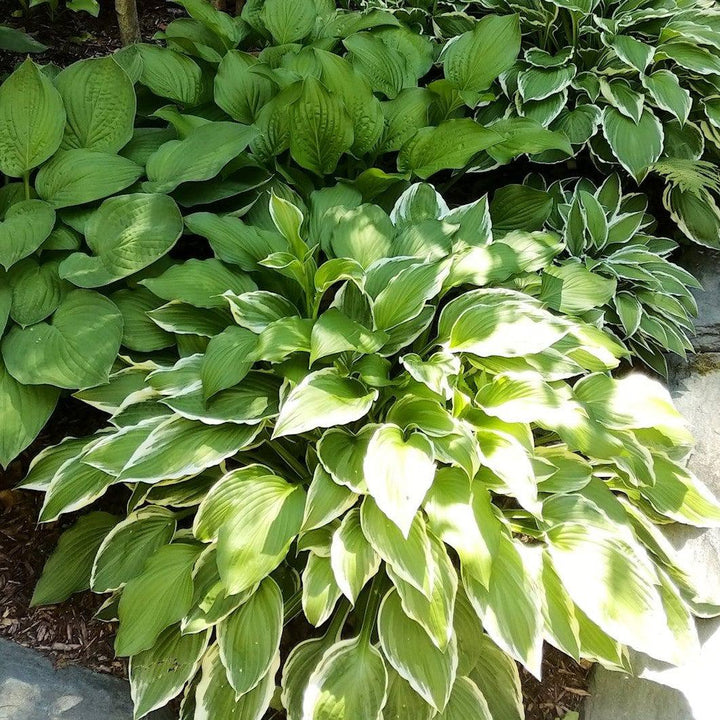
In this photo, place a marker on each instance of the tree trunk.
(127, 17)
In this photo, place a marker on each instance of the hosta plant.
(370, 424)
(636, 83)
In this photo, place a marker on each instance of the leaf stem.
(291, 461)
(371, 609)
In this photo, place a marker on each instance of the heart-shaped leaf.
(57, 352)
(26, 226)
(126, 234)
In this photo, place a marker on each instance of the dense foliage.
(333, 392)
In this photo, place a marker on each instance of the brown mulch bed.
(72, 36)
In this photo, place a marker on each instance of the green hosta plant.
(336, 89)
(63, 238)
(635, 83)
(370, 424)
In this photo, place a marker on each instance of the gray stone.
(703, 264)
(31, 689)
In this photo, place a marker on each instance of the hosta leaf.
(410, 557)
(242, 86)
(519, 207)
(249, 638)
(461, 515)
(622, 595)
(430, 671)
(139, 331)
(250, 544)
(404, 115)
(78, 176)
(476, 58)
(56, 353)
(435, 614)
(667, 92)
(215, 698)
(146, 607)
(227, 360)
(48, 461)
(403, 702)
(323, 399)
(37, 290)
(16, 41)
(573, 289)
(496, 676)
(343, 454)
(69, 567)
(350, 680)
(126, 234)
(353, 559)
(24, 409)
(73, 486)
(321, 130)
(540, 83)
(124, 551)
(179, 447)
(398, 473)
(320, 592)
(466, 701)
(385, 68)
(26, 225)
(334, 332)
(159, 674)
(289, 21)
(32, 119)
(499, 322)
(510, 608)
(450, 145)
(326, 500)
(170, 74)
(636, 145)
(200, 156)
(362, 233)
(631, 51)
(99, 101)
(691, 57)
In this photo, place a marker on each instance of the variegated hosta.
(370, 426)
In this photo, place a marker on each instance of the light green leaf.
(126, 548)
(250, 544)
(26, 226)
(354, 561)
(343, 454)
(451, 145)
(227, 360)
(398, 473)
(510, 608)
(362, 233)
(99, 100)
(350, 681)
(430, 671)
(146, 607)
(200, 156)
(410, 557)
(179, 447)
(78, 176)
(215, 698)
(159, 674)
(466, 701)
(320, 592)
(326, 500)
(140, 332)
(55, 353)
(476, 58)
(32, 120)
(323, 399)
(403, 702)
(573, 289)
(536, 84)
(249, 638)
(461, 515)
(243, 86)
(126, 234)
(69, 567)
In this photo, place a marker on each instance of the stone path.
(689, 692)
(31, 689)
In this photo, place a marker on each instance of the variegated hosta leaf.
(320, 589)
(350, 680)
(326, 500)
(406, 645)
